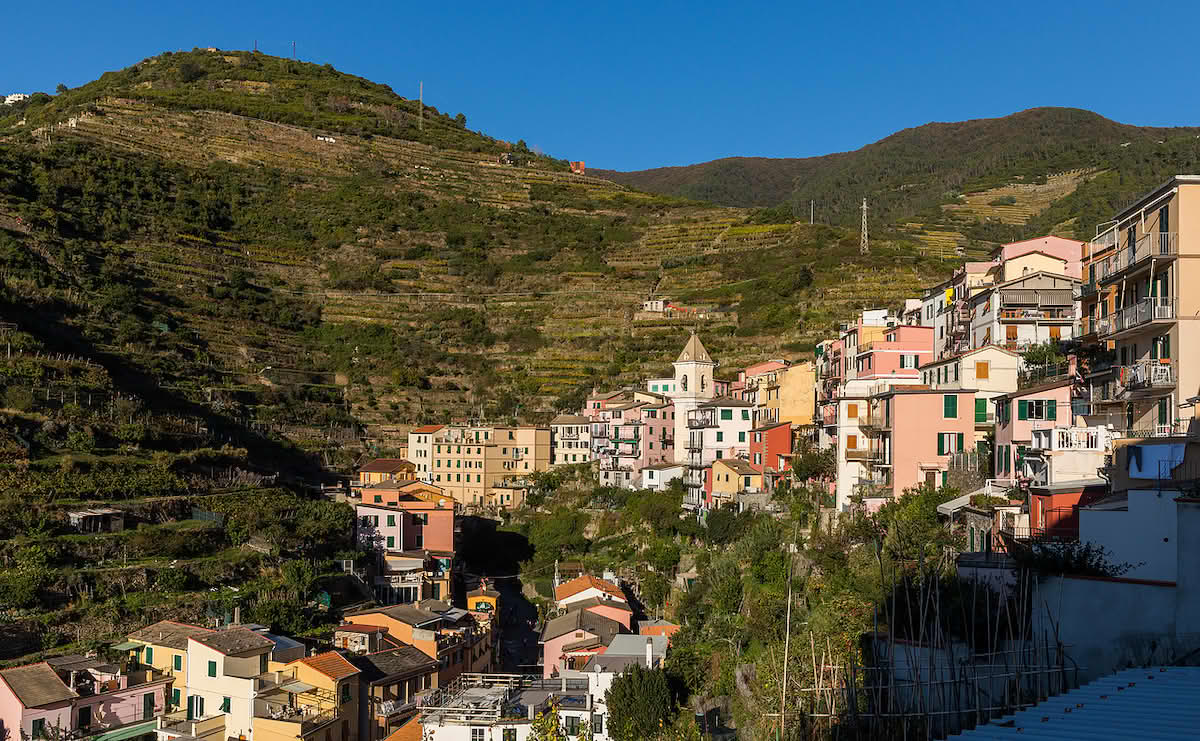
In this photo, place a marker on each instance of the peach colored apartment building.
(1140, 301)
(913, 432)
(898, 354)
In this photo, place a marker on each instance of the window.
(572, 725)
(980, 411)
(175, 697)
(346, 688)
(758, 459)
(758, 437)
(745, 414)
(726, 414)
(509, 734)
(212, 668)
(1010, 332)
(851, 442)
(597, 724)
(982, 369)
(477, 734)
(391, 520)
(178, 662)
(950, 406)
(391, 542)
(225, 705)
(719, 455)
(1037, 409)
(949, 442)
(39, 728)
(84, 719)
(956, 371)
(852, 410)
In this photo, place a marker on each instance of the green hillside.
(921, 181)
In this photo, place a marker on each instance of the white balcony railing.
(1147, 310)
(1155, 244)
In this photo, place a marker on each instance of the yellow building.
(795, 393)
(469, 461)
(732, 476)
(484, 600)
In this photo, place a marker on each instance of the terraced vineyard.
(504, 281)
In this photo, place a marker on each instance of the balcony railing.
(1086, 289)
(860, 454)
(1155, 244)
(1147, 374)
(1037, 314)
(1146, 311)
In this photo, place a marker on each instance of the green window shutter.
(178, 662)
(959, 442)
(726, 414)
(941, 444)
(720, 437)
(1163, 412)
(225, 705)
(950, 406)
(391, 541)
(391, 520)
(1022, 409)
(945, 477)
(212, 668)
(745, 414)
(175, 697)
(149, 654)
(741, 437)
(980, 410)
(1052, 409)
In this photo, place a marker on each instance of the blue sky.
(631, 85)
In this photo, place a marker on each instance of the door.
(148, 706)
(931, 479)
(1164, 227)
(191, 707)
(85, 717)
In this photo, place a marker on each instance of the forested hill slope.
(911, 175)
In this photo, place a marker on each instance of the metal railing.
(1155, 244)
(1085, 290)
(1147, 374)
(1143, 312)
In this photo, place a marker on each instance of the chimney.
(649, 652)
(237, 615)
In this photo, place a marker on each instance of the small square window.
(212, 668)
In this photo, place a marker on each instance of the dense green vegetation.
(908, 175)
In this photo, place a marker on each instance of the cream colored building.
(469, 461)
(1147, 264)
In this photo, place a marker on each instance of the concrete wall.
(1143, 536)
(1109, 624)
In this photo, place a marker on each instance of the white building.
(694, 370)
(659, 476)
(222, 666)
(15, 98)
(570, 440)
(501, 707)
(716, 429)
(1060, 454)
(420, 451)
(1029, 310)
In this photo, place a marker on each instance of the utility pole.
(293, 51)
(787, 637)
(864, 246)
(812, 212)
(421, 105)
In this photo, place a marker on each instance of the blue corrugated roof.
(1149, 703)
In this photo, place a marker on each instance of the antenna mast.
(421, 105)
(864, 246)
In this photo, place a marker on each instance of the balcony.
(1159, 245)
(178, 724)
(860, 454)
(1037, 315)
(293, 721)
(696, 423)
(1144, 314)
(1146, 377)
(875, 419)
(1086, 290)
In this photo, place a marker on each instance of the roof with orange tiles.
(428, 429)
(355, 628)
(410, 731)
(583, 583)
(331, 663)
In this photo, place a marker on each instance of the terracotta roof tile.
(587, 581)
(331, 663)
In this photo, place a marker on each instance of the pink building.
(1021, 412)
(82, 697)
(569, 641)
(610, 608)
(913, 432)
(903, 349)
(33, 701)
